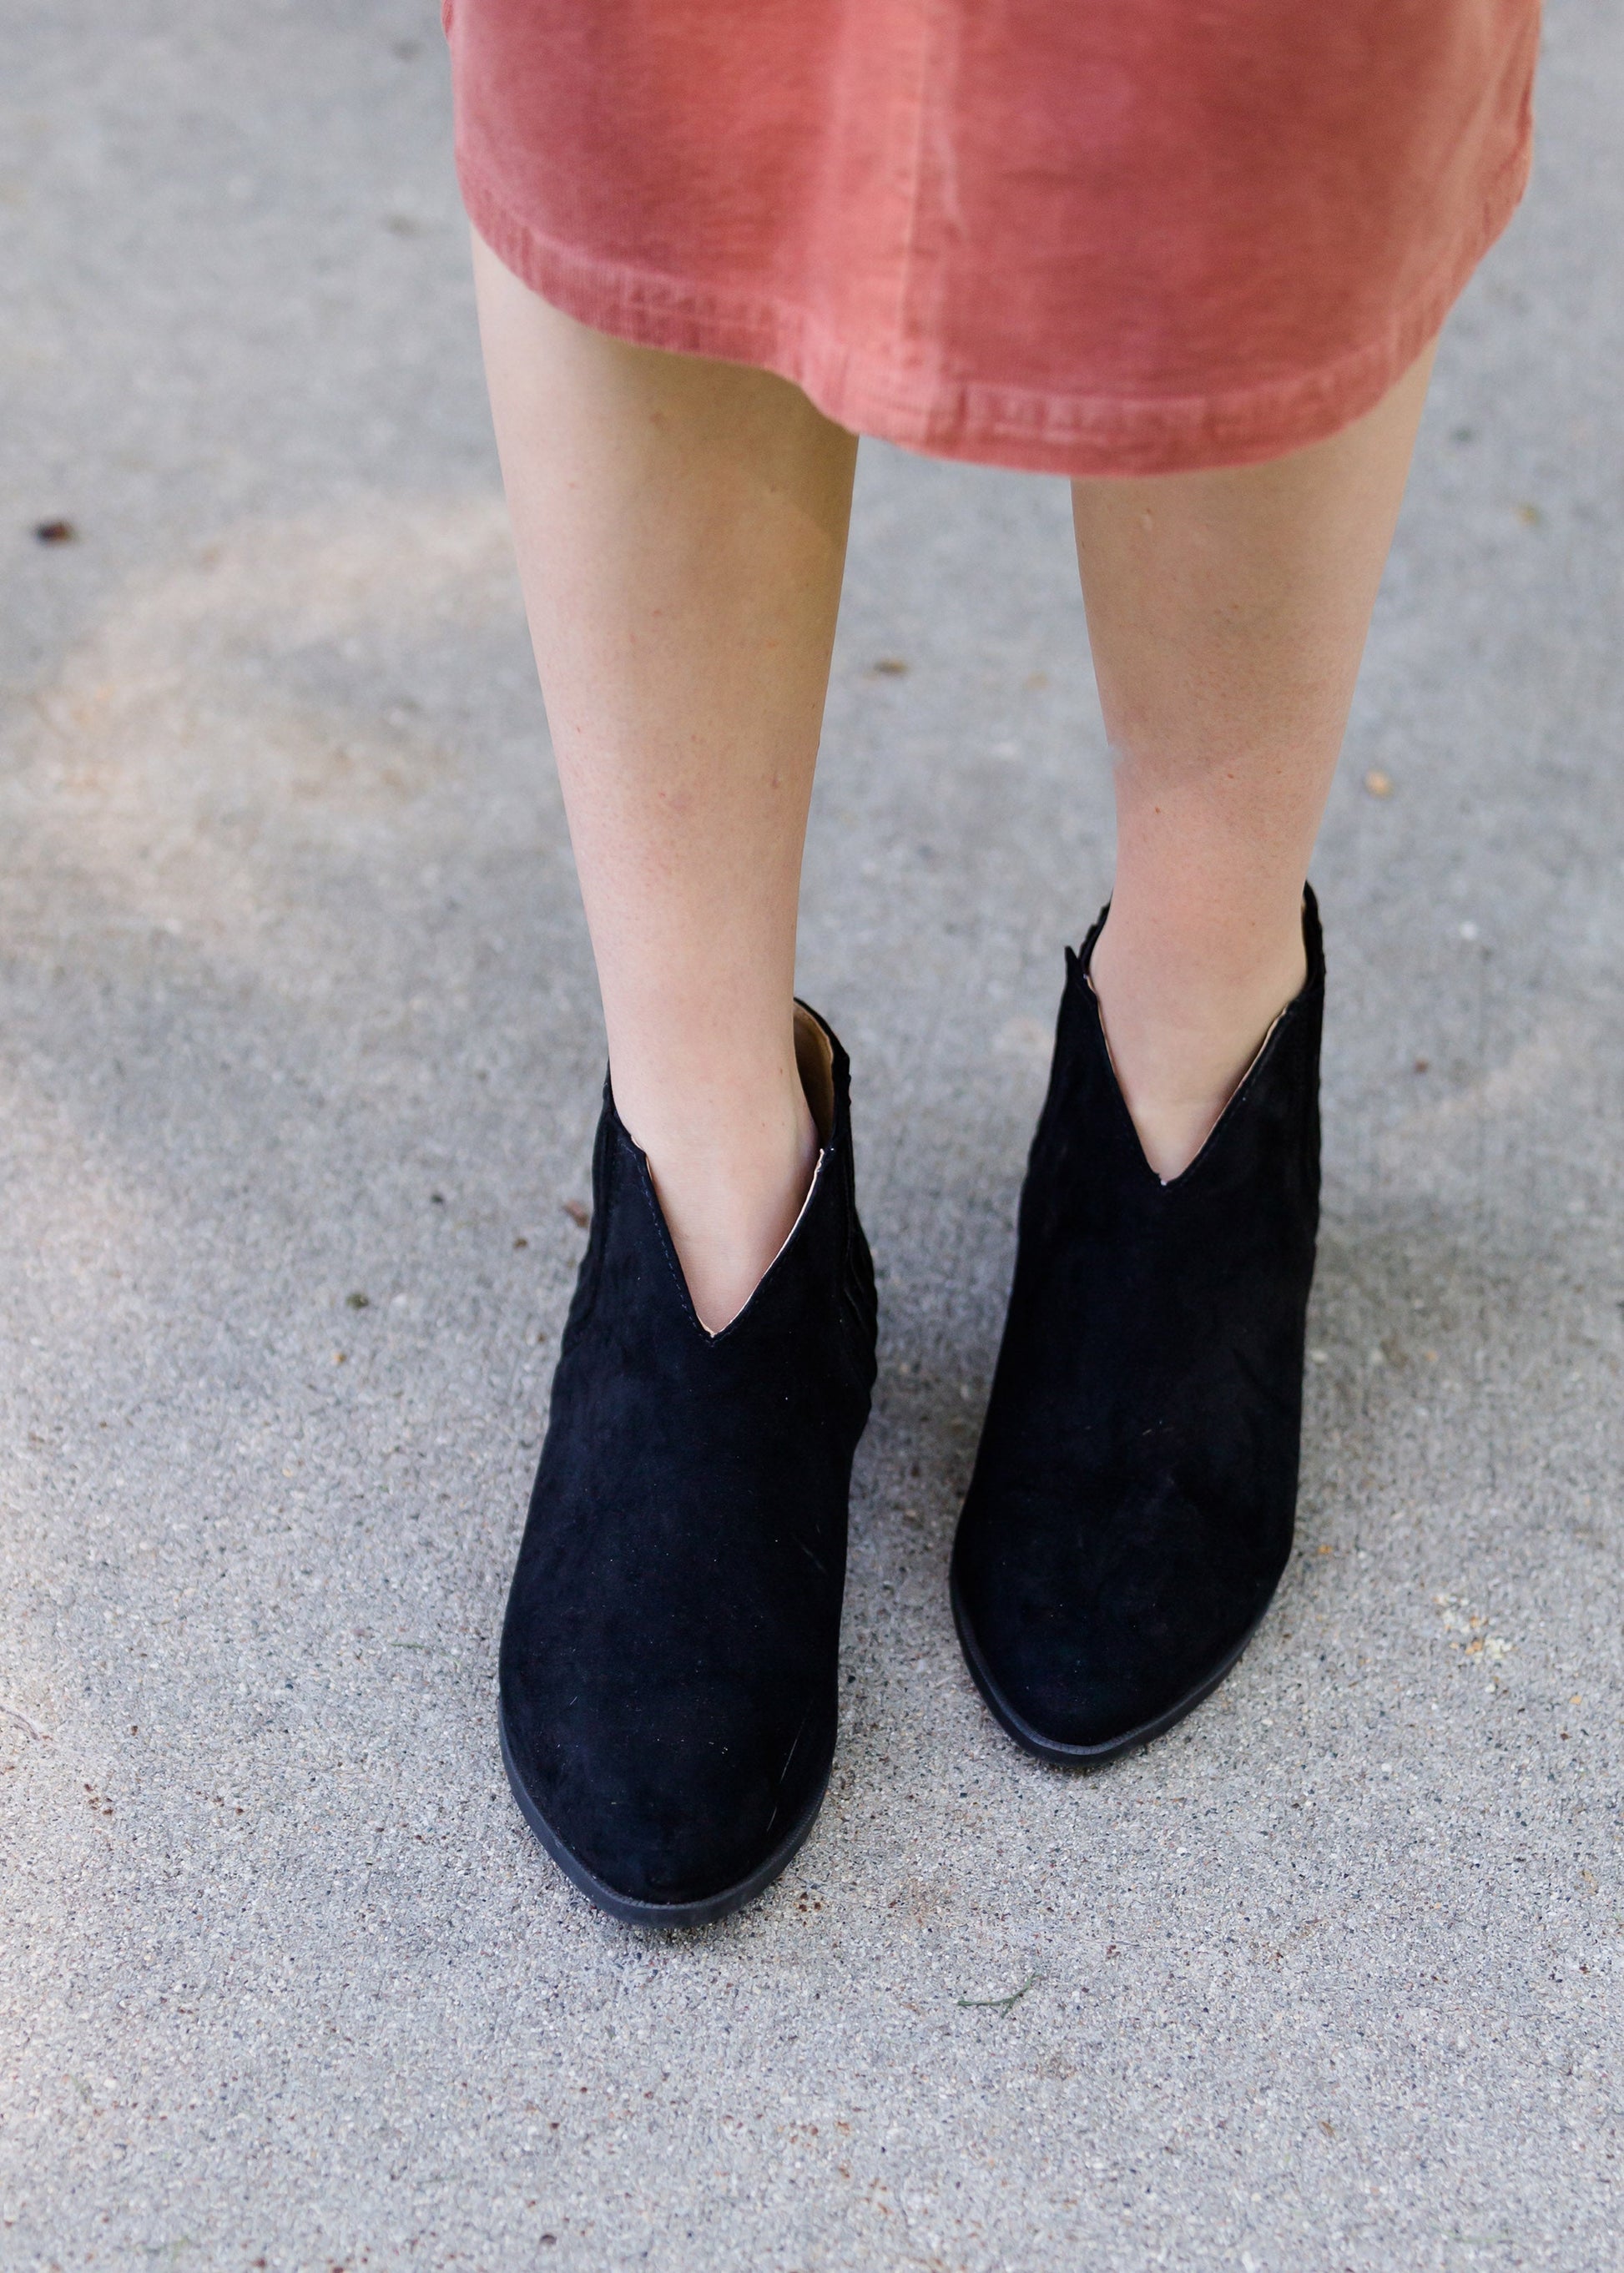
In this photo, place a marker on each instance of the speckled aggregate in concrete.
(298, 1063)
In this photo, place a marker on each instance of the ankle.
(1184, 1020)
(731, 1176)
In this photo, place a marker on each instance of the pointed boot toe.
(1132, 1503)
(669, 1671)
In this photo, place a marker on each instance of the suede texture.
(1132, 1501)
(670, 1657)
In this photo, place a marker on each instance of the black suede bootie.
(1132, 1506)
(670, 1659)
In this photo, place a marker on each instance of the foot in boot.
(1132, 1501)
(669, 1662)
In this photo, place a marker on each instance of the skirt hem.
(1035, 430)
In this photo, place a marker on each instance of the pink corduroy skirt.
(1083, 236)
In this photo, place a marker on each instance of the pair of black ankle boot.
(670, 1659)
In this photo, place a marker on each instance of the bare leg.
(1227, 613)
(681, 527)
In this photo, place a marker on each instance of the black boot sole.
(630, 1912)
(1085, 1756)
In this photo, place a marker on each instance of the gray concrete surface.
(297, 1010)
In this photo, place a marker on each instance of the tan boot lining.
(815, 1062)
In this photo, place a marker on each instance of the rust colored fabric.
(1085, 236)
